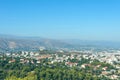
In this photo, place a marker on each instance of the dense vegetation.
(45, 71)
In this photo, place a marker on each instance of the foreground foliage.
(57, 71)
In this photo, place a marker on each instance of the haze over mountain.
(9, 42)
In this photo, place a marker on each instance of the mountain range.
(9, 42)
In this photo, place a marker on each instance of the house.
(12, 61)
(115, 77)
(84, 65)
(98, 66)
(71, 64)
(38, 61)
(105, 72)
(104, 68)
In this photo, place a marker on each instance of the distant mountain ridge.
(8, 42)
(29, 43)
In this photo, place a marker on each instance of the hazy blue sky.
(61, 19)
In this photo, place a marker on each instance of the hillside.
(8, 43)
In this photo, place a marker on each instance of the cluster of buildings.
(72, 59)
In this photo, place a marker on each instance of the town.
(97, 63)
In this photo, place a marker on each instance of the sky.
(61, 19)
